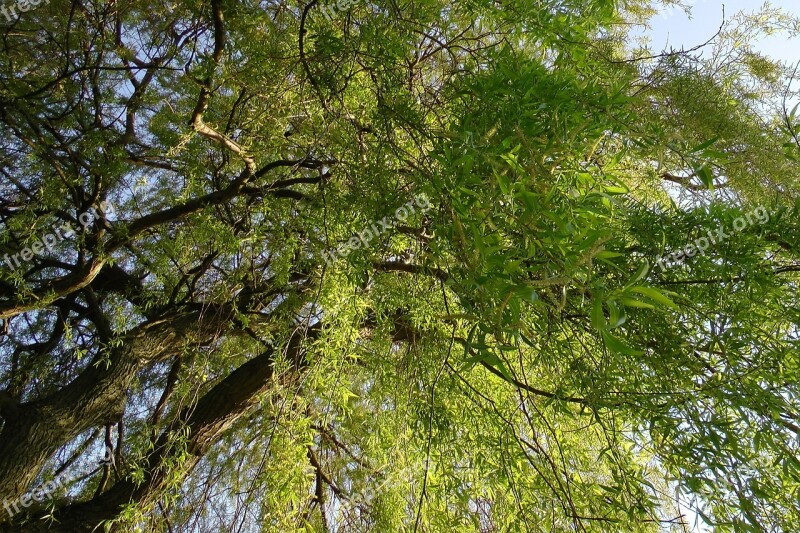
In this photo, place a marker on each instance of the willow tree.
(269, 266)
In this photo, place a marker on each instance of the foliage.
(509, 360)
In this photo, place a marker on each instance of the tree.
(393, 269)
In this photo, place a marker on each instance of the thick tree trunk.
(213, 414)
(96, 397)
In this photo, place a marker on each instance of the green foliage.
(511, 359)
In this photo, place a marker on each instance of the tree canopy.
(401, 266)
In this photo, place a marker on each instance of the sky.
(673, 28)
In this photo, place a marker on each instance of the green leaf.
(489, 358)
(639, 275)
(526, 293)
(655, 295)
(616, 345)
(598, 318)
(615, 190)
(616, 314)
(703, 146)
(630, 302)
(706, 176)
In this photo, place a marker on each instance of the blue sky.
(674, 29)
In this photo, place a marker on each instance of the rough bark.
(215, 412)
(95, 397)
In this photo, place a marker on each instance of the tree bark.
(95, 397)
(214, 413)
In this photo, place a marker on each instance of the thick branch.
(215, 412)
